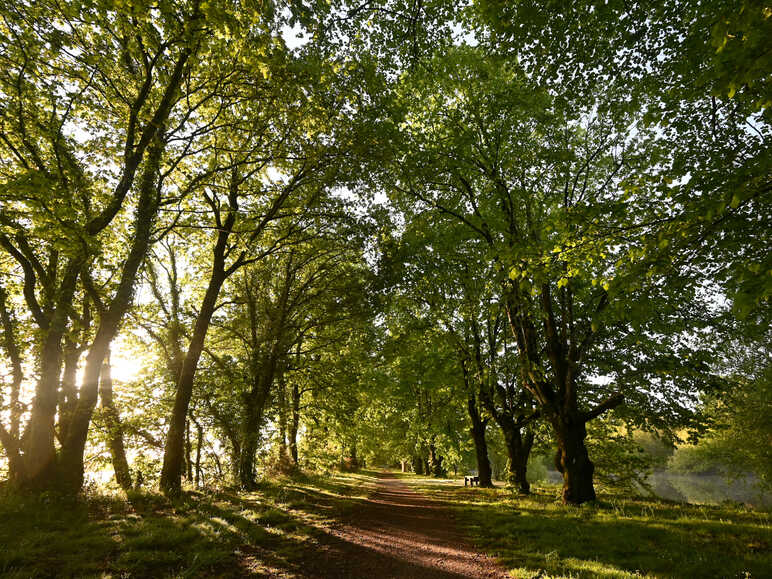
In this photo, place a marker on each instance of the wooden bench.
(471, 481)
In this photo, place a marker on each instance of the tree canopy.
(332, 233)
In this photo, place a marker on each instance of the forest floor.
(377, 525)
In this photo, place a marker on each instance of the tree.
(114, 428)
(549, 195)
(695, 72)
(436, 265)
(289, 298)
(740, 429)
(68, 71)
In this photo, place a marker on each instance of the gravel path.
(397, 532)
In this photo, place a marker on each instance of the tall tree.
(549, 196)
(68, 71)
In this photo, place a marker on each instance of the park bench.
(472, 481)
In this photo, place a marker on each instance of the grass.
(271, 530)
(223, 534)
(616, 536)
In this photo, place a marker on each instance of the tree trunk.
(171, 473)
(480, 445)
(199, 442)
(254, 409)
(39, 449)
(114, 428)
(250, 437)
(518, 451)
(188, 453)
(350, 461)
(283, 418)
(294, 424)
(435, 462)
(418, 465)
(10, 439)
(15, 458)
(68, 395)
(572, 460)
(70, 467)
(218, 465)
(235, 459)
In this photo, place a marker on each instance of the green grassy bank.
(218, 534)
(617, 536)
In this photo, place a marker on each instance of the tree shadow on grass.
(620, 539)
(283, 530)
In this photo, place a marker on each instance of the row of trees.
(569, 225)
(576, 211)
(183, 129)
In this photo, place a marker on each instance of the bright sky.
(125, 367)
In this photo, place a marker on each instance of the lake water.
(699, 488)
(709, 488)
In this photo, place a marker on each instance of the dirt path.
(397, 532)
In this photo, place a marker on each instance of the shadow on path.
(397, 532)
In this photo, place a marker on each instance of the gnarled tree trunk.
(572, 459)
(518, 451)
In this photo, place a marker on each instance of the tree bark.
(199, 442)
(68, 394)
(171, 473)
(518, 451)
(114, 428)
(418, 465)
(479, 426)
(39, 450)
(250, 437)
(283, 416)
(188, 453)
(573, 461)
(434, 465)
(10, 438)
(235, 459)
(294, 424)
(254, 408)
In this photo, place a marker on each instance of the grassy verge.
(617, 536)
(218, 534)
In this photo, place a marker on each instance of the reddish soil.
(397, 532)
